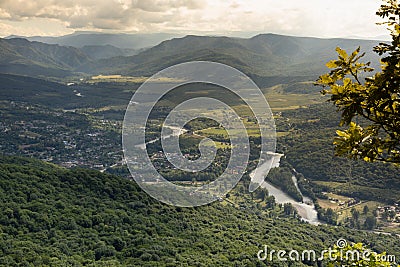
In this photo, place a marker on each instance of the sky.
(316, 18)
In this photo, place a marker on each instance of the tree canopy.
(370, 107)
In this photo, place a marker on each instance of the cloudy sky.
(320, 18)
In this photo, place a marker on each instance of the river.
(176, 131)
(305, 209)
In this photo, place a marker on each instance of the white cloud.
(327, 18)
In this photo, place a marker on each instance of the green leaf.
(346, 82)
(326, 79)
(342, 53)
(332, 64)
(342, 133)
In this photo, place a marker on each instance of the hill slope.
(20, 56)
(56, 95)
(33, 90)
(57, 217)
(106, 51)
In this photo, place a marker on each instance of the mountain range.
(80, 39)
(263, 55)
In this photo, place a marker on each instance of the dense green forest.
(52, 216)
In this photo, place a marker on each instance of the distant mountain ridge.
(264, 55)
(120, 40)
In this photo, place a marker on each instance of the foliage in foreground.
(370, 108)
(358, 255)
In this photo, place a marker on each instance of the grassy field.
(127, 79)
(332, 185)
(192, 140)
(220, 131)
(326, 203)
(344, 211)
(284, 101)
(372, 205)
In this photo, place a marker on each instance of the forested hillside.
(57, 217)
(19, 56)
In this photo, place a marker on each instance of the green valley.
(67, 197)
